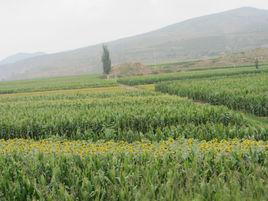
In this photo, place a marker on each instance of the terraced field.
(116, 142)
(186, 75)
(247, 93)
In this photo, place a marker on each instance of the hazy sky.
(57, 25)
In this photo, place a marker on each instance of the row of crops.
(119, 115)
(87, 81)
(84, 148)
(246, 93)
(169, 170)
(58, 83)
(185, 75)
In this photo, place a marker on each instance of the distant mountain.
(203, 37)
(19, 57)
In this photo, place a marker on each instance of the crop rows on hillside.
(150, 79)
(246, 93)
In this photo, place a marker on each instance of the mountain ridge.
(202, 37)
(19, 57)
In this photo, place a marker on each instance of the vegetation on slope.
(227, 60)
(246, 93)
(150, 79)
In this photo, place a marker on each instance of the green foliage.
(119, 116)
(183, 175)
(59, 83)
(257, 63)
(247, 93)
(184, 75)
(151, 169)
(106, 61)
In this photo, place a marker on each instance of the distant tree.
(106, 61)
(257, 63)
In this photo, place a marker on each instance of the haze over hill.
(207, 36)
(19, 57)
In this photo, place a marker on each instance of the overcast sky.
(58, 25)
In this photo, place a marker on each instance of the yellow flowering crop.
(84, 148)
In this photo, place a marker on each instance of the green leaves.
(144, 177)
(190, 75)
(106, 60)
(247, 93)
(129, 116)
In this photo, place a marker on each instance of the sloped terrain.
(203, 37)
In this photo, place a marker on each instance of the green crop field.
(172, 170)
(184, 75)
(118, 114)
(87, 138)
(247, 93)
(50, 84)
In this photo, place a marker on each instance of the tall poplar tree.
(106, 61)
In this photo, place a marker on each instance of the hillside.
(19, 57)
(198, 38)
(243, 58)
